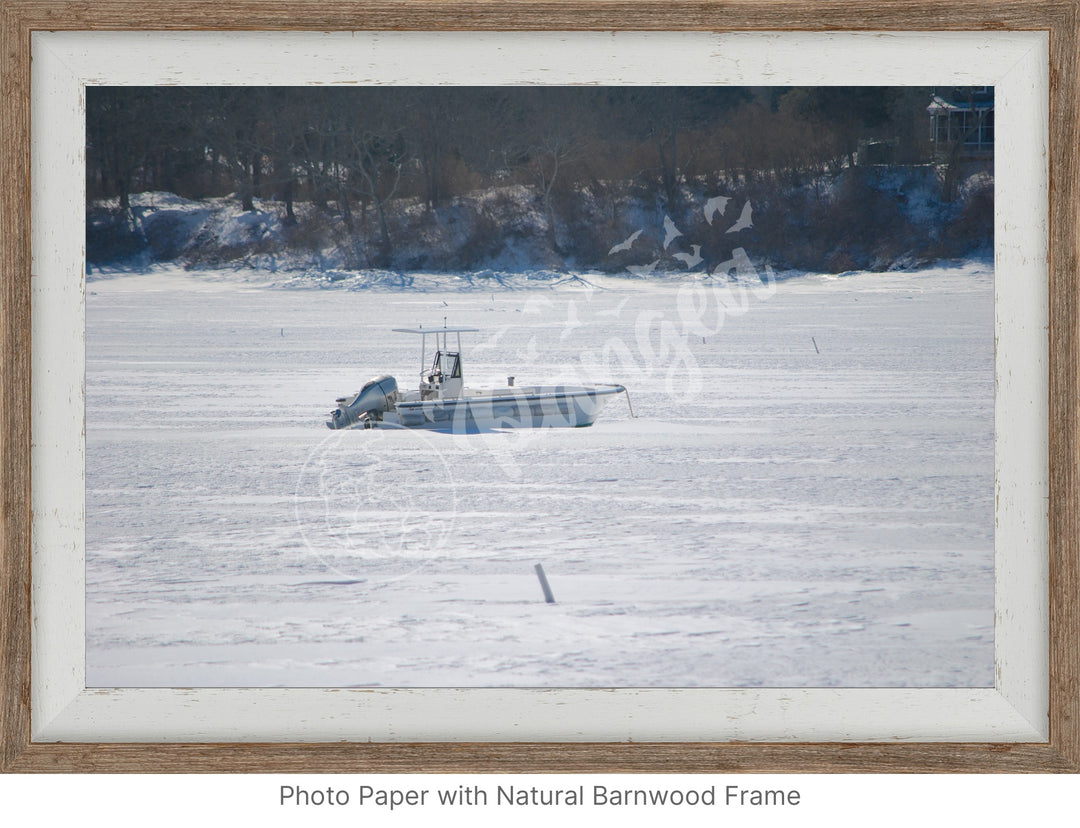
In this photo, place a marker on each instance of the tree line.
(353, 150)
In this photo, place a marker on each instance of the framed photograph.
(743, 432)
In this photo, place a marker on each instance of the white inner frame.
(1016, 709)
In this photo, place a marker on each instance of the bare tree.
(378, 154)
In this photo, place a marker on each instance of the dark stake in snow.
(544, 585)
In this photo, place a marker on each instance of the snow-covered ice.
(806, 497)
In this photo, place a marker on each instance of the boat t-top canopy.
(443, 329)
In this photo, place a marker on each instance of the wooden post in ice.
(816, 348)
(544, 584)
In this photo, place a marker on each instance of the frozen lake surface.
(805, 498)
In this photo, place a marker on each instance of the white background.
(833, 800)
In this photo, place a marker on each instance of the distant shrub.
(967, 232)
(482, 242)
(112, 237)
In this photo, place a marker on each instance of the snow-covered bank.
(872, 218)
(805, 497)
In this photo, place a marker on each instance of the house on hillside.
(962, 122)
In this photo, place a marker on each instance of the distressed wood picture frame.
(21, 753)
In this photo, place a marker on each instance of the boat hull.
(537, 407)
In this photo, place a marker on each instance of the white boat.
(443, 402)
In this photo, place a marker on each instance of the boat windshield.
(448, 364)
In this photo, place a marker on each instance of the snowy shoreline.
(876, 218)
(492, 281)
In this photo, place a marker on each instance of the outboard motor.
(377, 396)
